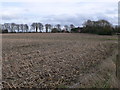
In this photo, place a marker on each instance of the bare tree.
(25, 27)
(58, 26)
(18, 27)
(40, 26)
(72, 26)
(88, 23)
(13, 27)
(21, 27)
(35, 26)
(66, 27)
(48, 27)
(103, 23)
(7, 26)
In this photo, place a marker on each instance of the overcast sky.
(58, 11)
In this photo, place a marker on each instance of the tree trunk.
(36, 29)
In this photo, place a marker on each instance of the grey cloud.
(111, 11)
(7, 17)
(78, 19)
(64, 19)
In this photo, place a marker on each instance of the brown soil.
(57, 60)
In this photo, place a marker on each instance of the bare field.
(58, 60)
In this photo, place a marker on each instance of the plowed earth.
(55, 60)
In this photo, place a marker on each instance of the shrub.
(5, 31)
(55, 30)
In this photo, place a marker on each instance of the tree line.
(101, 27)
(34, 27)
